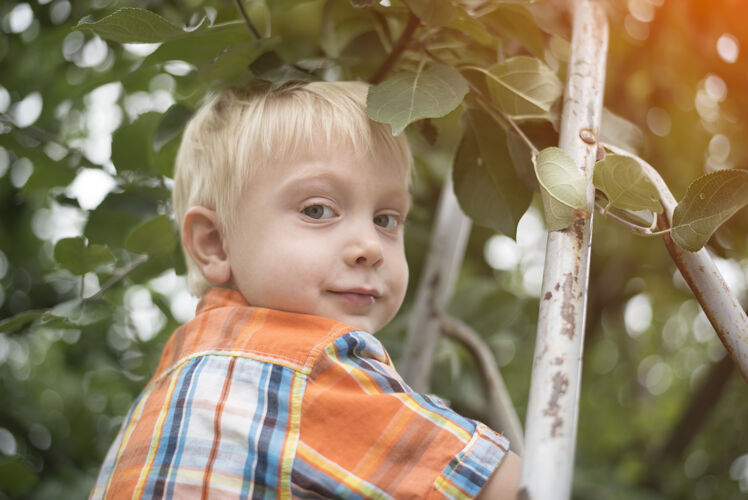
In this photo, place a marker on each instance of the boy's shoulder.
(248, 395)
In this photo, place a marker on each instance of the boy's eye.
(386, 221)
(318, 212)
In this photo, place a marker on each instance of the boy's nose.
(365, 249)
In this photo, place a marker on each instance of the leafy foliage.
(91, 289)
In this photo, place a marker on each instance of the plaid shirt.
(257, 403)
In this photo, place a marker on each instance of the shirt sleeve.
(365, 434)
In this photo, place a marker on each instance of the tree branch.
(119, 276)
(397, 51)
(701, 405)
(698, 270)
(247, 20)
(501, 413)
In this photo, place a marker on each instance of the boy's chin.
(368, 325)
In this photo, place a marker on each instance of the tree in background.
(90, 264)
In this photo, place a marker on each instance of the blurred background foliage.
(663, 412)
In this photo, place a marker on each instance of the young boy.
(292, 203)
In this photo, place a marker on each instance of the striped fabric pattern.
(257, 403)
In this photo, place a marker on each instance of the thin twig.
(382, 29)
(501, 413)
(257, 35)
(397, 51)
(247, 20)
(644, 231)
(119, 276)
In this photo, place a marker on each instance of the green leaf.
(15, 322)
(468, 25)
(112, 220)
(74, 255)
(487, 186)
(709, 201)
(129, 25)
(626, 185)
(620, 132)
(128, 152)
(156, 236)
(524, 87)
(434, 13)
(201, 47)
(271, 67)
(516, 22)
(48, 174)
(521, 157)
(232, 66)
(171, 125)
(562, 187)
(542, 135)
(408, 96)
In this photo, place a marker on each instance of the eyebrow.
(297, 182)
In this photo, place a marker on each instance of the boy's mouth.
(357, 296)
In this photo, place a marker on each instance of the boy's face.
(324, 236)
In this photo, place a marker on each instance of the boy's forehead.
(338, 168)
(321, 162)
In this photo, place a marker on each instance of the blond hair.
(240, 131)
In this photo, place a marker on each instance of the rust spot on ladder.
(560, 386)
(547, 296)
(567, 307)
(580, 216)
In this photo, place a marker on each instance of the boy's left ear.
(202, 239)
